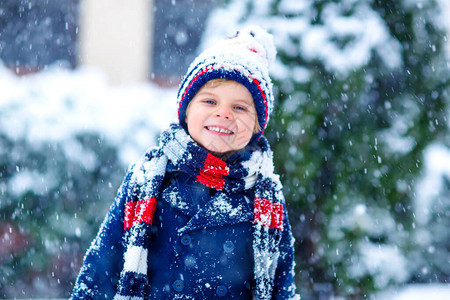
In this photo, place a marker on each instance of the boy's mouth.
(219, 130)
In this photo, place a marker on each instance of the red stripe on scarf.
(268, 214)
(139, 212)
(129, 215)
(213, 172)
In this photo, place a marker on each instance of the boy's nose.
(224, 112)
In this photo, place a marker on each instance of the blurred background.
(360, 131)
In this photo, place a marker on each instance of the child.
(203, 215)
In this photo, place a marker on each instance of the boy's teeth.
(221, 130)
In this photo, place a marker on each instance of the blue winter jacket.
(213, 258)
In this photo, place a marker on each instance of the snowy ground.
(57, 104)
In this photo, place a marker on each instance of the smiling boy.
(223, 117)
(203, 215)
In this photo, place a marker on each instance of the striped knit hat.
(244, 58)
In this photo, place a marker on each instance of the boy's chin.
(223, 155)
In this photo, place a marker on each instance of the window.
(36, 33)
(178, 26)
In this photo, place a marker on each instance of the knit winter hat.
(244, 58)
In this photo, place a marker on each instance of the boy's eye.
(238, 107)
(209, 101)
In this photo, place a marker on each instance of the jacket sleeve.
(103, 261)
(284, 285)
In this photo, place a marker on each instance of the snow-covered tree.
(66, 140)
(362, 90)
(432, 211)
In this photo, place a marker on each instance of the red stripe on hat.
(265, 102)
(213, 172)
(191, 83)
(212, 67)
(268, 214)
(139, 212)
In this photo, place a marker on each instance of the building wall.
(115, 37)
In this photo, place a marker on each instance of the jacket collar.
(193, 199)
(221, 210)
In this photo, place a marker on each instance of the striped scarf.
(256, 171)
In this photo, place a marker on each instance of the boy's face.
(222, 117)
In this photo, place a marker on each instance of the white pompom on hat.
(244, 58)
